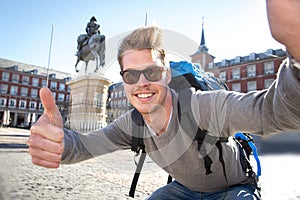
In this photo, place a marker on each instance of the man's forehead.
(154, 53)
(137, 58)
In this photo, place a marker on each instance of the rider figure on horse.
(91, 28)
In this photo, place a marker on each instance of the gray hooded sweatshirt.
(221, 113)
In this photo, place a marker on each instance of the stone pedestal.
(87, 109)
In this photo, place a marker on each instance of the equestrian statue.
(91, 46)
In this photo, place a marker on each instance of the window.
(12, 103)
(67, 79)
(35, 81)
(24, 91)
(44, 83)
(268, 82)
(124, 102)
(5, 76)
(13, 90)
(34, 93)
(62, 86)
(4, 88)
(236, 87)
(251, 85)
(25, 79)
(237, 59)
(222, 76)
(251, 70)
(236, 73)
(35, 71)
(97, 100)
(41, 106)
(61, 97)
(53, 85)
(54, 95)
(68, 97)
(120, 93)
(2, 102)
(269, 67)
(224, 62)
(252, 56)
(210, 65)
(15, 78)
(22, 104)
(32, 105)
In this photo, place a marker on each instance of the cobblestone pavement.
(109, 176)
(106, 178)
(92, 179)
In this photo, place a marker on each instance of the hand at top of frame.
(284, 21)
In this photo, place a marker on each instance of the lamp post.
(49, 55)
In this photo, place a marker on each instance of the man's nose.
(142, 81)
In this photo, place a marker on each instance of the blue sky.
(232, 27)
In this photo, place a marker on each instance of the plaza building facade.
(117, 103)
(20, 104)
(255, 71)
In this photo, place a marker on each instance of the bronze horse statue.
(93, 50)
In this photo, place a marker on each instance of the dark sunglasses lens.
(131, 76)
(153, 74)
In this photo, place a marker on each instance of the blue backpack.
(186, 75)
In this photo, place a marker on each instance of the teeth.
(144, 96)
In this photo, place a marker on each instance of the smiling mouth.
(144, 96)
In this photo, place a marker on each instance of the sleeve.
(80, 147)
(264, 112)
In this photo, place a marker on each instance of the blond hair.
(143, 38)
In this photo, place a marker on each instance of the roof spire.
(202, 46)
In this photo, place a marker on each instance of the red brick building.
(20, 105)
(255, 71)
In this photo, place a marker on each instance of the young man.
(221, 113)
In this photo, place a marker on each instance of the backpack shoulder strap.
(137, 173)
(191, 127)
(138, 125)
(185, 115)
(137, 145)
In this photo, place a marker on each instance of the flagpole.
(146, 19)
(49, 55)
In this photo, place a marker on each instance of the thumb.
(50, 108)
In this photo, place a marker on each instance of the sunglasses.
(152, 74)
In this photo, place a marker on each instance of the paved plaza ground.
(109, 176)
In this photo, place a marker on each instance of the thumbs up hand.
(46, 135)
